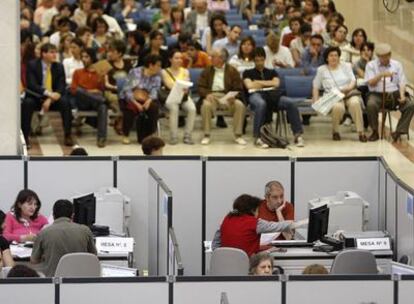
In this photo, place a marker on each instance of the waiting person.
(214, 83)
(312, 57)
(273, 16)
(391, 71)
(367, 54)
(218, 5)
(6, 259)
(24, 222)
(156, 42)
(152, 146)
(163, 16)
(170, 75)
(176, 23)
(87, 91)
(241, 228)
(140, 94)
(126, 11)
(75, 62)
(195, 57)
(64, 47)
(275, 208)
(60, 238)
(198, 19)
(135, 44)
(294, 25)
(46, 91)
(277, 56)
(261, 264)
(63, 29)
(244, 60)
(315, 269)
(335, 74)
(333, 22)
(217, 30)
(22, 271)
(298, 45)
(326, 10)
(231, 42)
(340, 40)
(359, 38)
(263, 102)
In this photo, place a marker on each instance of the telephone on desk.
(329, 244)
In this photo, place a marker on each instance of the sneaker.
(240, 141)
(188, 140)
(173, 141)
(126, 140)
(260, 144)
(101, 142)
(205, 140)
(299, 142)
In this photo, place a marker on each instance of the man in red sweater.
(87, 91)
(275, 208)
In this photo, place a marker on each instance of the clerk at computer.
(275, 208)
(60, 238)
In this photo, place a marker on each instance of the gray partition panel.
(405, 225)
(391, 199)
(382, 188)
(183, 175)
(227, 291)
(322, 177)
(11, 180)
(57, 178)
(405, 290)
(340, 292)
(227, 178)
(27, 291)
(113, 291)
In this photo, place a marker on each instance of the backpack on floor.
(268, 136)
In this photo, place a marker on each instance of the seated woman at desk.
(261, 264)
(24, 222)
(241, 228)
(6, 258)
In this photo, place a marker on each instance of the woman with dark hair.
(160, 19)
(244, 59)
(6, 258)
(101, 33)
(24, 222)
(174, 25)
(338, 75)
(241, 228)
(340, 40)
(331, 25)
(156, 41)
(359, 37)
(217, 30)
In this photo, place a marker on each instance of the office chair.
(405, 259)
(354, 261)
(78, 264)
(227, 261)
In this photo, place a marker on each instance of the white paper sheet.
(267, 238)
(177, 92)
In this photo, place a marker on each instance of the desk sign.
(114, 244)
(374, 243)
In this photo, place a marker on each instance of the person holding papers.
(6, 258)
(172, 76)
(219, 86)
(261, 84)
(333, 76)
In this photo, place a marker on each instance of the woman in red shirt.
(241, 228)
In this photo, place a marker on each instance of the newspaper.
(177, 91)
(224, 100)
(324, 104)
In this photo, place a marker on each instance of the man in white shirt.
(73, 63)
(113, 25)
(231, 42)
(391, 71)
(63, 28)
(277, 56)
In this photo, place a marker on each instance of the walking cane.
(383, 109)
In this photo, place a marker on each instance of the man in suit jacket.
(46, 91)
(198, 19)
(213, 85)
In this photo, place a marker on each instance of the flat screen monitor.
(85, 209)
(318, 223)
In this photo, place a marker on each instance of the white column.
(9, 77)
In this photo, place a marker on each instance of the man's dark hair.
(46, 47)
(151, 143)
(151, 59)
(118, 45)
(66, 5)
(97, 5)
(78, 42)
(184, 38)
(144, 26)
(259, 52)
(236, 25)
(91, 53)
(22, 271)
(154, 34)
(79, 151)
(138, 37)
(63, 21)
(305, 28)
(62, 208)
(317, 36)
(245, 204)
(370, 45)
(329, 50)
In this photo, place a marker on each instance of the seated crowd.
(123, 59)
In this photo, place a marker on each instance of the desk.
(294, 260)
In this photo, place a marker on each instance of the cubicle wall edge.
(275, 278)
(203, 217)
(339, 277)
(26, 281)
(114, 280)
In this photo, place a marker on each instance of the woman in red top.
(241, 228)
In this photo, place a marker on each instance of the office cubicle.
(405, 289)
(27, 290)
(12, 179)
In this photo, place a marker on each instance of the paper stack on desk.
(20, 251)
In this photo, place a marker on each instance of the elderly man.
(275, 208)
(214, 83)
(198, 19)
(391, 71)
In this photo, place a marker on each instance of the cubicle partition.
(183, 175)
(160, 212)
(319, 177)
(405, 289)
(12, 179)
(23, 291)
(227, 290)
(339, 289)
(405, 225)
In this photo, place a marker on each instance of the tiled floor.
(400, 156)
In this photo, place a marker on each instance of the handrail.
(177, 254)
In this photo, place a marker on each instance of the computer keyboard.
(291, 243)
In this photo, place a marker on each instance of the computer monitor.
(85, 209)
(318, 223)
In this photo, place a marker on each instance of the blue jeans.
(292, 115)
(259, 107)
